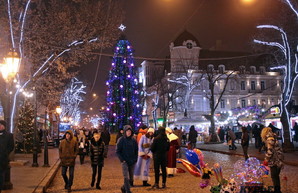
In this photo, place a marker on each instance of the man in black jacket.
(127, 152)
(159, 148)
(106, 137)
(6, 146)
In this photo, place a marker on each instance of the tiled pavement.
(25, 178)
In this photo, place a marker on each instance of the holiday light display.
(70, 100)
(123, 91)
(290, 71)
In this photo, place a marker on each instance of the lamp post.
(58, 111)
(35, 150)
(9, 69)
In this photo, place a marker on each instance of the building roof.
(184, 36)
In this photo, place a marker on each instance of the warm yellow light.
(247, 1)
(94, 95)
(10, 67)
(58, 110)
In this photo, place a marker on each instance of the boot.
(145, 183)
(97, 186)
(155, 185)
(92, 182)
(163, 185)
(131, 183)
(122, 189)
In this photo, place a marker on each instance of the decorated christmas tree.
(25, 129)
(123, 91)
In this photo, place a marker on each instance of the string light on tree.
(122, 96)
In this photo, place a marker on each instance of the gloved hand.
(265, 163)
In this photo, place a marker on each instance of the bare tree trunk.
(284, 119)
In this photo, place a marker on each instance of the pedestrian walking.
(245, 141)
(192, 137)
(82, 145)
(97, 147)
(172, 153)
(6, 147)
(106, 137)
(68, 150)
(144, 157)
(274, 156)
(159, 148)
(127, 152)
(232, 138)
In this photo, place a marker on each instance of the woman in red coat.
(172, 153)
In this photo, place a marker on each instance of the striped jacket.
(96, 152)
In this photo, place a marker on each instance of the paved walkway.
(26, 178)
(181, 183)
(290, 158)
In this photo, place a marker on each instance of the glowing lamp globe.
(10, 67)
(58, 110)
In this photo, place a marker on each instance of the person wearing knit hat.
(144, 157)
(6, 146)
(172, 153)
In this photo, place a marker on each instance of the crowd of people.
(134, 150)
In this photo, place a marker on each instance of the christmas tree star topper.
(122, 27)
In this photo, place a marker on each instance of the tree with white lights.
(71, 99)
(190, 79)
(289, 67)
(56, 37)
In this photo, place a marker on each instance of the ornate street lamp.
(9, 69)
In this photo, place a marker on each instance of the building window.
(242, 85)
(263, 103)
(252, 69)
(210, 68)
(243, 103)
(242, 69)
(254, 102)
(262, 70)
(221, 69)
(232, 85)
(222, 104)
(189, 45)
(263, 86)
(253, 85)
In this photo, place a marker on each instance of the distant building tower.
(184, 52)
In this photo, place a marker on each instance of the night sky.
(153, 24)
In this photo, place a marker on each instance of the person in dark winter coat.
(274, 156)
(127, 152)
(68, 150)
(192, 137)
(159, 148)
(245, 141)
(97, 158)
(6, 146)
(106, 137)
